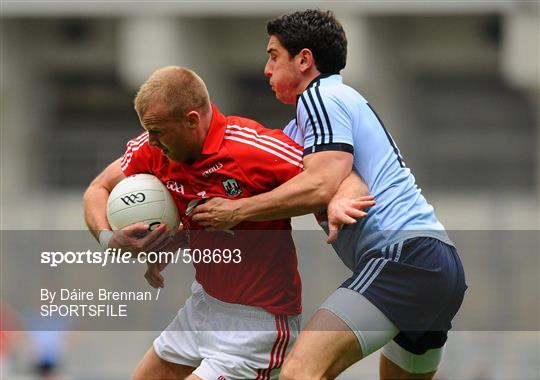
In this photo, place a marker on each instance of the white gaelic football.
(141, 198)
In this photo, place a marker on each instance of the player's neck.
(202, 134)
(308, 77)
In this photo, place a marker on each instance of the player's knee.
(421, 366)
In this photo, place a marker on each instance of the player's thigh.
(323, 349)
(345, 329)
(152, 367)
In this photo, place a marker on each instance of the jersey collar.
(332, 77)
(216, 131)
(329, 78)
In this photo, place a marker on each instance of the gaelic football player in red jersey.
(227, 329)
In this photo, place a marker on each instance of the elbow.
(89, 191)
(325, 198)
(86, 194)
(323, 193)
(93, 191)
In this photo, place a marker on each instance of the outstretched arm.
(308, 192)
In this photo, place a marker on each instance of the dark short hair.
(316, 30)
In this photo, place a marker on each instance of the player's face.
(173, 137)
(283, 71)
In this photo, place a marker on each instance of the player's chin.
(285, 99)
(284, 95)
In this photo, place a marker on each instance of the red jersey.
(240, 158)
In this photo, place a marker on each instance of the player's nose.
(267, 70)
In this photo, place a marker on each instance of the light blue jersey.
(333, 116)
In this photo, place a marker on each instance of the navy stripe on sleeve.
(341, 147)
(321, 125)
(328, 124)
(316, 137)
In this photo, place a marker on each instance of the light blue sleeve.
(325, 121)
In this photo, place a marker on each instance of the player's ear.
(193, 118)
(306, 59)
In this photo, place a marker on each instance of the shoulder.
(243, 121)
(140, 145)
(243, 128)
(138, 141)
(317, 102)
(337, 94)
(249, 142)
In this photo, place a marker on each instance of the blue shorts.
(418, 284)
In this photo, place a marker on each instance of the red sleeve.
(139, 156)
(267, 157)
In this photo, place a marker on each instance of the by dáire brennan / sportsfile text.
(117, 255)
(73, 302)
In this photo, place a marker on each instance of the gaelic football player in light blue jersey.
(407, 280)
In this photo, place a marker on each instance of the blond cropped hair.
(178, 88)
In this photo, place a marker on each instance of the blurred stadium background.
(456, 83)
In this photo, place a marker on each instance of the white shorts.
(227, 341)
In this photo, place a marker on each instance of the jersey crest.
(232, 188)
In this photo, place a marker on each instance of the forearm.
(95, 208)
(303, 194)
(308, 192)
